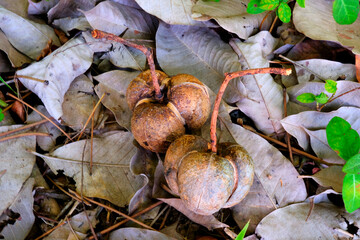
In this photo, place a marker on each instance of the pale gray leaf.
(69, 8)
(350, 98)
(263, 101)
(59, 68)
(111, 177)
(299, 124)
(16, 58)
(208, 221)
(41, 7)
(114, 84)
(197, 51)
(126, 57)
(68, 24)
(26, 36)
(23, 205)
(330, 177)
(316, 22)
(137, 233)
(171, 12)
(115, 18)
(17, 164)
(18, 7)
(232, 16)
(325, 222)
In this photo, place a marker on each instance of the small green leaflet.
(3, 104)
(1, 115)
(301, 3)
(284, 12)
(330, 86)
(345, 11)
(352, 166)
(253, 7)
(269, 4)
(342, 138)
(243, 231)
(322, 98)
(306, 98)
(351, 192)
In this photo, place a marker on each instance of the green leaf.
(306, 98)
(351, 192)
(330, 86)
(253, 7)
(345, 11)
(1, 115)
(301, 3)
(2, 80)
(322, 98)
(269, 4)
(3, 104)
(342, 138)
(243, 231)
(352, 165)
(211, 0)
(284, 12)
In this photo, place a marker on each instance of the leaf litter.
(102, 164)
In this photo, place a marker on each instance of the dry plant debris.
(70, 167)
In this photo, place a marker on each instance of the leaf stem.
(333, 99)
(148, 53)
(228, 77)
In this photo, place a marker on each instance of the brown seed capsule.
(205, 181)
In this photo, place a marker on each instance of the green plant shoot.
(243, 232)
(1, 115)
(2, 80)
(346, 142)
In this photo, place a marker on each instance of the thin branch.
(23, 127)
(331, 100)
(228, 77)
(25, 135)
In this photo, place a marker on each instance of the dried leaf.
(177, 12)
(16, 58)
(59, 68)
(208, 221)
(68, 24)
(79, 102)
(114, 84)
(111, 178)
(116, 18)
(26, 36)
(18, 7)
(19, 110)
(137, 233)
(23, 205)
(69, 8)
(263, 101)
(330, 177)
(232, 16)
(315, 22)
(325, 222)
(196, 51)
(18, 164)
(41, 7)
(311, 125)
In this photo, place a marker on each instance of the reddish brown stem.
(148, 53)
(333, 99)
(228, 77)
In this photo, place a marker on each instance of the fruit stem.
(147, 51)
(228, 77)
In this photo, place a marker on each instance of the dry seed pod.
(191, 98)
(156, 125)
(205, 181)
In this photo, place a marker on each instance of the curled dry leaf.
(232, 16)
(262, 100)
(68, 24)
(316, 22)
(42, 7)
(17, 163)
(16, 58)
(115, 18)
(69, 8)
(325, 222)
(111, 178)
(197, 51)
(114, 84)
(22, 205)
(59, 68)
(26, 36)
(79, 102)
(309, 130)
(177, 12)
